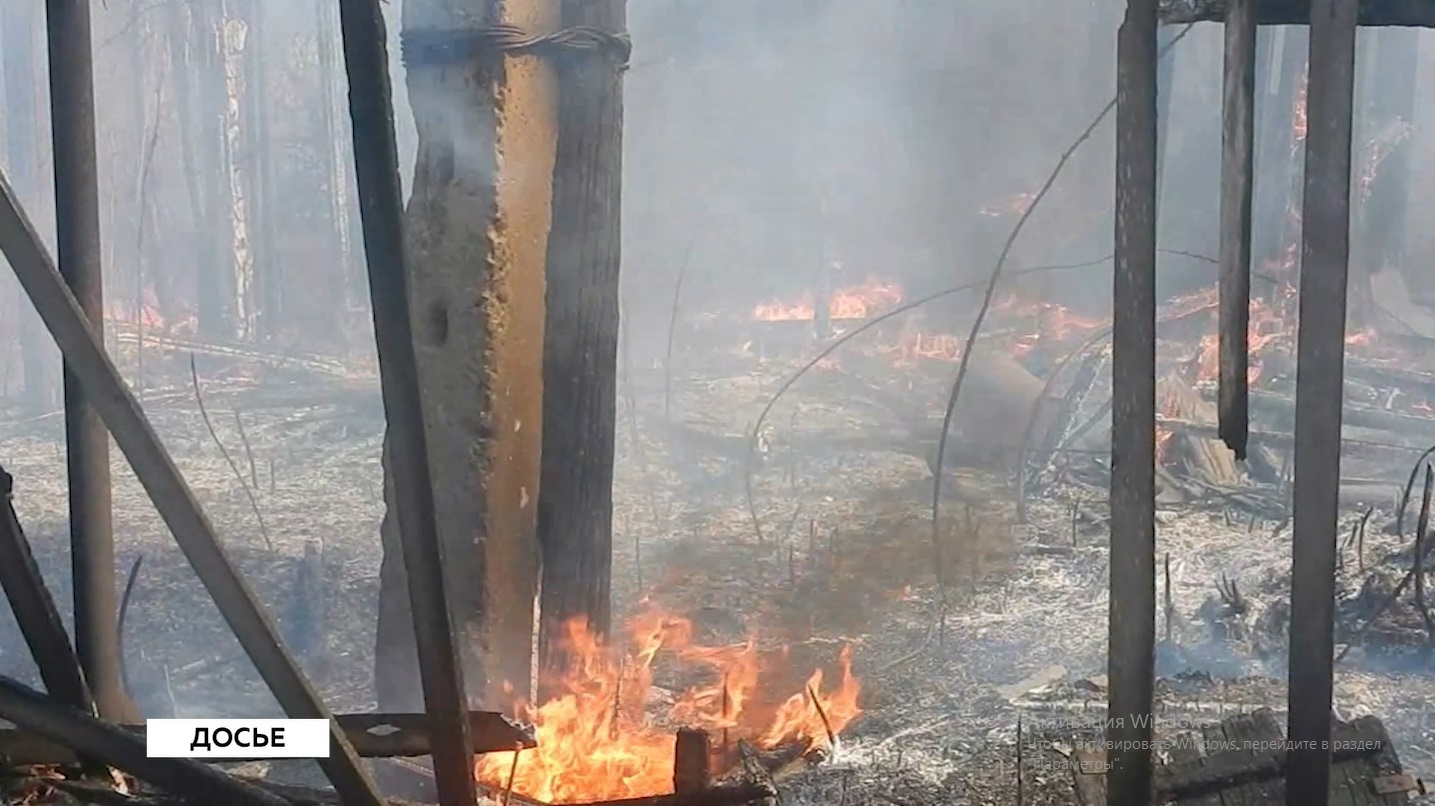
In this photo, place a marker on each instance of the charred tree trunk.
(580, 352)
(477, 245)
(19, 27)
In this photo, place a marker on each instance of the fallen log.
(998, 395)
(1354, 438)
(1393, 424)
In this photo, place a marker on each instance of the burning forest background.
(796, 175)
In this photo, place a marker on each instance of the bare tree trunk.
(477, 240)
(194, 40)
(1280, 152)
(234, 35)
(19, 27)
(1383, 157)
(336, 134)
(259, 171)
(580, 354)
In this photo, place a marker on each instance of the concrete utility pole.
(477, 232)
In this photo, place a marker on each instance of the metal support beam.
(1320, 395)
(1238, 137)
(77, 230)
(171, 496)
(1131, 653)
(35, 610)
(376, 165)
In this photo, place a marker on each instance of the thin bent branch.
(233, 467)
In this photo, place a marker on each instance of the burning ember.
(595, 742)
(853, 302)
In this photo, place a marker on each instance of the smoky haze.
(772, 148)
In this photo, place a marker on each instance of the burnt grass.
(846, 557)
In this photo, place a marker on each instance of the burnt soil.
(846, 557)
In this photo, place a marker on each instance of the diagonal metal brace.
(35, 609)
(381, 202)
(152, 465)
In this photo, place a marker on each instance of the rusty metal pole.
(1132, 641)
(376, 164)
(77, 228)
(1320, 397)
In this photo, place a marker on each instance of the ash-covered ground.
(846, 556)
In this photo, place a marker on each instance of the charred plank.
(1238, 136)
(1320, 386)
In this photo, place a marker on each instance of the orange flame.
(1298, 124)
(853, 302)
(1055, 323)
(1360, 337)
(595, 742)
(1264, 327)
(121, 313)
(916, 345)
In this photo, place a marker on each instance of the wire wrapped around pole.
(465, 45)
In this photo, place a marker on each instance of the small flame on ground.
(122, 313)
(589, 750)
(852, 302)
(1054, 323)
(917, 345)
(1264, 328)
